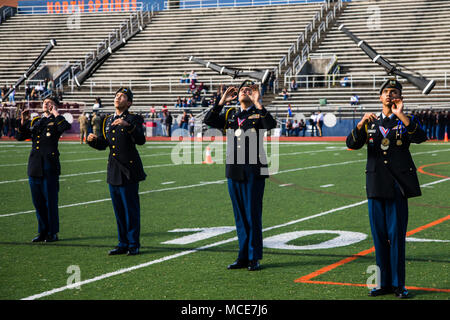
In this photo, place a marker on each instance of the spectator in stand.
(83, 120)
(354, 100)
(320, 123)
(433, 124)
(12, 125)
(178, 103)
(302, 127)
(185, 103)
(295, 128)
(344, 82)
(191, 125)
(97, 105)
(205, 103)
(28, 91)
(153, 116)
(4, 91)
(5, 124)
(288, 128)
(422, 115)
(293, 86)
(201, 89)
(193, 77)
(441, 125)
(11, 96)
(447, 123)
(271, 80)
(313, 123)
(50, 87)
(184, 78)
(184, 121)
(285, 94)
(427, 122)
(168, 124)
(192, 87)
(1, 124)
(96, 123)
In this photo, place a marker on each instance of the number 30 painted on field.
(343, 238)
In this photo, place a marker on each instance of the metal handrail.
(201, 4)
(373, 79)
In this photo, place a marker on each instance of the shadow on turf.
(149, 250)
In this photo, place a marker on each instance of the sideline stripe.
(307, 278)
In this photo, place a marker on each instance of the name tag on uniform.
(254, 116)
(50, 123)
(372, 130)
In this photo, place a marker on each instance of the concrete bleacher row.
(24, 37)
(241, 37)
(411, 33)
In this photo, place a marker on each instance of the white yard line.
(177, 255)
(186, 252)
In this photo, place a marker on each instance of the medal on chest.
(238, 131)
(398, 135)
(385, 141)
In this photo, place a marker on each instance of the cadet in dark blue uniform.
(390, 180)
(121, 132)
(246, 166)
(43, 165)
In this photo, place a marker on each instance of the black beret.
(126, 91)
(391, 83)
(246, 83)
(53, 98)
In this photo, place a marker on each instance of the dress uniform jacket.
(124, 164)
(385, 166)
(45, 133)
(252, 158)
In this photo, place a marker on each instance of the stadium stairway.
(24, 37)
(413, 33)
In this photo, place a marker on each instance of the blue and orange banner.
(82, 6)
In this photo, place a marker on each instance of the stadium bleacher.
(155, 60)
(411, 33)
(247, 37)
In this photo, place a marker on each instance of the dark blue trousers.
(388, 222)
(44, 193)
(125, 200)
(247, 200)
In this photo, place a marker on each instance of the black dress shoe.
(51, 238)
(133, 251)
(118, 250)
(254, 265)
(380, 291)
(401, 293)
(40, 238)
(238, 264)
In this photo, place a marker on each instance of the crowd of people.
(296, 127)
(434, 122)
